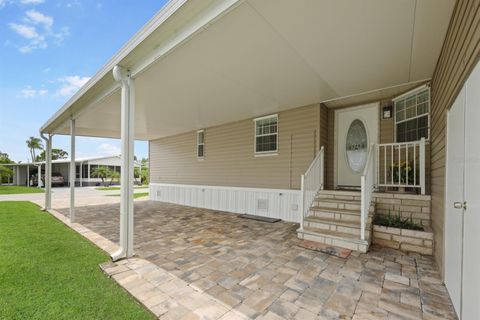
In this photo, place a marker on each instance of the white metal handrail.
(368, 186)
(401, 165)
(311, 182)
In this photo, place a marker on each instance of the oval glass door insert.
(356, 145)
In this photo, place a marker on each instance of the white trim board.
(280, 203)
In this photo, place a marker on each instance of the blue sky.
(48, 49)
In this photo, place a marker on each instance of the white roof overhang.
(198, 64)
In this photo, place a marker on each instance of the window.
(266, 134)
(201, 144)
(412, 118)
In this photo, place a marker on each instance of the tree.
(56, 155)
(5, 174)
(34, 144)
(5, 158)
(105, 173)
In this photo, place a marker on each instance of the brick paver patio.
(258, 269)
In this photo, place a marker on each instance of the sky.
(48, 50)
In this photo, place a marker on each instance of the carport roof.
(198, 64)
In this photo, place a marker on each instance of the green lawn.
(135, 195)
(19, 189)
(118, 188)
(48, 271)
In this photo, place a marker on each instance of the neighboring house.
(25, 174)
(303, 110)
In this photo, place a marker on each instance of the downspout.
(126, 178)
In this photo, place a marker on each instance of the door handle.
(460, 205)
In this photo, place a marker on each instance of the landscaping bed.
(48, 271)
(420, 241)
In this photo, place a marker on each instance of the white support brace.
(72, 170)
(126, 179)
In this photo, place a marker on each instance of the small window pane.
(411, 116)
(401, 115)
(411, 112)
(200, 150)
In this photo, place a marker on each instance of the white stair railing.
(368, 186)
(401, 165)
(311, 182)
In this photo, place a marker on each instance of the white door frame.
(335, 135)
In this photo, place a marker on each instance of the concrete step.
(339, 214)
(339, 195)
(350, 227)
(337, 204)
(334, 238)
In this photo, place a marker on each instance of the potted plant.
(400, 171)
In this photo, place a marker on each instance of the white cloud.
(28, 32)
(106, 149)
(29, 92)
(36, 17)
(38, 38)
(71, 84)
(31, 1)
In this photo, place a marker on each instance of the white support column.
(17, 175)
(72, 170)
(88, 172)
(39, 176)
(81, 174)
(422, 165)
(126, 178)
(28, 175)
(48, 172)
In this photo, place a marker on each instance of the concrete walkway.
(84, 196)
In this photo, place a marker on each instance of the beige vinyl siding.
(329, 154)
(324, 138)
(460, 52)
(230, 158)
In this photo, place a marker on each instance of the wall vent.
(262, 204)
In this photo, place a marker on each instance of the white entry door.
(462, 203)
(356, 130)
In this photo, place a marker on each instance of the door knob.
(460, 205)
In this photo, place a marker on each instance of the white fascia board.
(221, 7)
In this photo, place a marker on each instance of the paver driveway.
(258, 268)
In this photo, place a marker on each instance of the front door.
(462, 203)
(356, 130)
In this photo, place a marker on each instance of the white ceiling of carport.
(267, 56)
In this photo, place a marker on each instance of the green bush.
(396, 221)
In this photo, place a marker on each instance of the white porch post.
(81, 174)
(126, 179)
(39, 176)
(17, 175)
(422, 165)
(28, 175)
(48, 172)
(88, 172)
(72, 170)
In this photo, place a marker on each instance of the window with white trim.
(412, 116)
(266, 134)
(201, 144)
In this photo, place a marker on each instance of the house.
(318, 112)
(26, 173)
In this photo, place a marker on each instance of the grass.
(118, 188)
(48, 271)
(396, 221)
(19, 189)
(135, 195)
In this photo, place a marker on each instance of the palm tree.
(34, 144)
(102, 173)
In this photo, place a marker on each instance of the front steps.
(334, 219)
